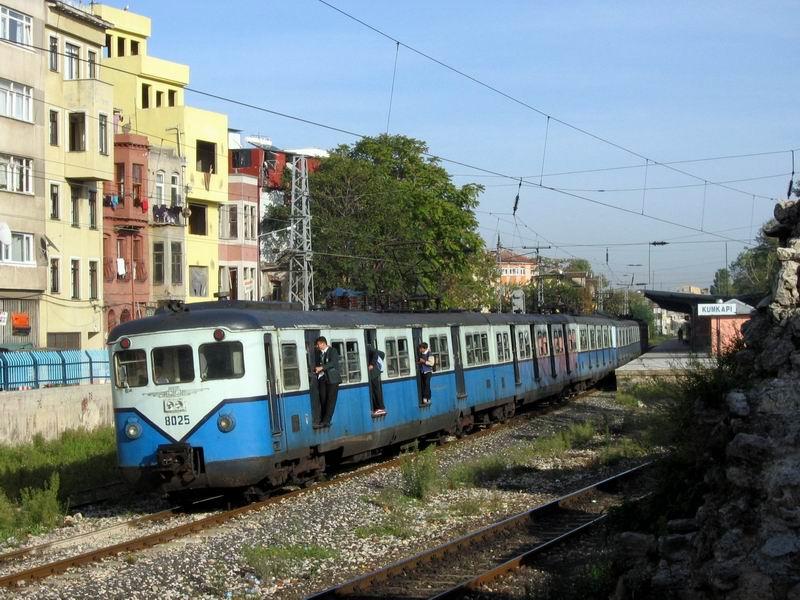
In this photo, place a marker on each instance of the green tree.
(755, 268)
(722, 283)
(386, 219)
(642, 309)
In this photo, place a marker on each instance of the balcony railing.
(167, 215)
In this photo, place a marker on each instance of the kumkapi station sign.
(723, 309)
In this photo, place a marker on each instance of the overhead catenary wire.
(522, 102)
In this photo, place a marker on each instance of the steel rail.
(167, 535)
(402, 571)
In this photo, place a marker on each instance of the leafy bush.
(420, 473)
(40, 509)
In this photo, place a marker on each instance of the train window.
(571, 342)
(130, 368)
(290, 367)
(398, 362)
(524, 345)
(584, 341)
(542, 344)
(350, 360)
(221, 360)
(503, 347)
(172, 364)
(591, 339)
(606, 340)
(440, 352)
(558, 342)
(477, 348)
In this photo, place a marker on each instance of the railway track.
(163, 536)
(458, 568)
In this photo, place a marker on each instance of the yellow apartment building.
(78, 157)
(149, 101)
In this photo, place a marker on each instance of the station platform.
(667, 360)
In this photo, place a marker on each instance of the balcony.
(168, 215)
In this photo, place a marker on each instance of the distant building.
(79, 156)
(692, 289)
(126, 238)
(149, 100)
(516, 270)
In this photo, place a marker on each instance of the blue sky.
(671, 81)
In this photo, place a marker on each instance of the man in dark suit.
(329, 379)
(375, 364)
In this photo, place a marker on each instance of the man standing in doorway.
(426, 362)
(329, 379)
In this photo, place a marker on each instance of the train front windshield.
(175, 364)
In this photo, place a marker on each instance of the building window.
(72, 65)
(136, 183)
(171, 97)
(76, 207)
(77, 132)
(158, 263)
(159, 191)
(246, 222)
(198, 276)
(145, 95)
(54, 128)
(103, 133)
(134, 48)
(120, 174)
(107, 47)
(55, 201)
(53, 59)
(16, 100)
(159, 99)
(120, 46)
(175, 197)
(93, 279)
(206, 156)
(16, 174)
(233, 222)
(176, 257)
(19, 251)
(75, 272)
(15, 26)
(197, 219)
(92, 62)
(92, 209)
(55, 276)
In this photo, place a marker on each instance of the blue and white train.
(222, 395)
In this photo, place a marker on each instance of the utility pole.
(540, 281)
(499, 283)
(301, 273)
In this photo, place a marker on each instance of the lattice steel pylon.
(301, 272)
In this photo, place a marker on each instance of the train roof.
(241, 316)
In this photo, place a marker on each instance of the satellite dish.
(5, 234)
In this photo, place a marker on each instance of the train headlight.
(226, 423)
(133, 430)
(219, 335)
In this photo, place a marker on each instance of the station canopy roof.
(687, 303)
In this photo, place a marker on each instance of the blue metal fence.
(38, 369)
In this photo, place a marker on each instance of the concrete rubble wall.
(51, 411)
(744, 541)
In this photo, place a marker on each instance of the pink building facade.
(126, 285)
(238, 238)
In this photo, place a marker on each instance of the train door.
(458, 362)
(567, 354)
(311, 358)
(371, 341)
(274, 400)
(552, 350)
(514, 357)
(536, 353)
(416, 340)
